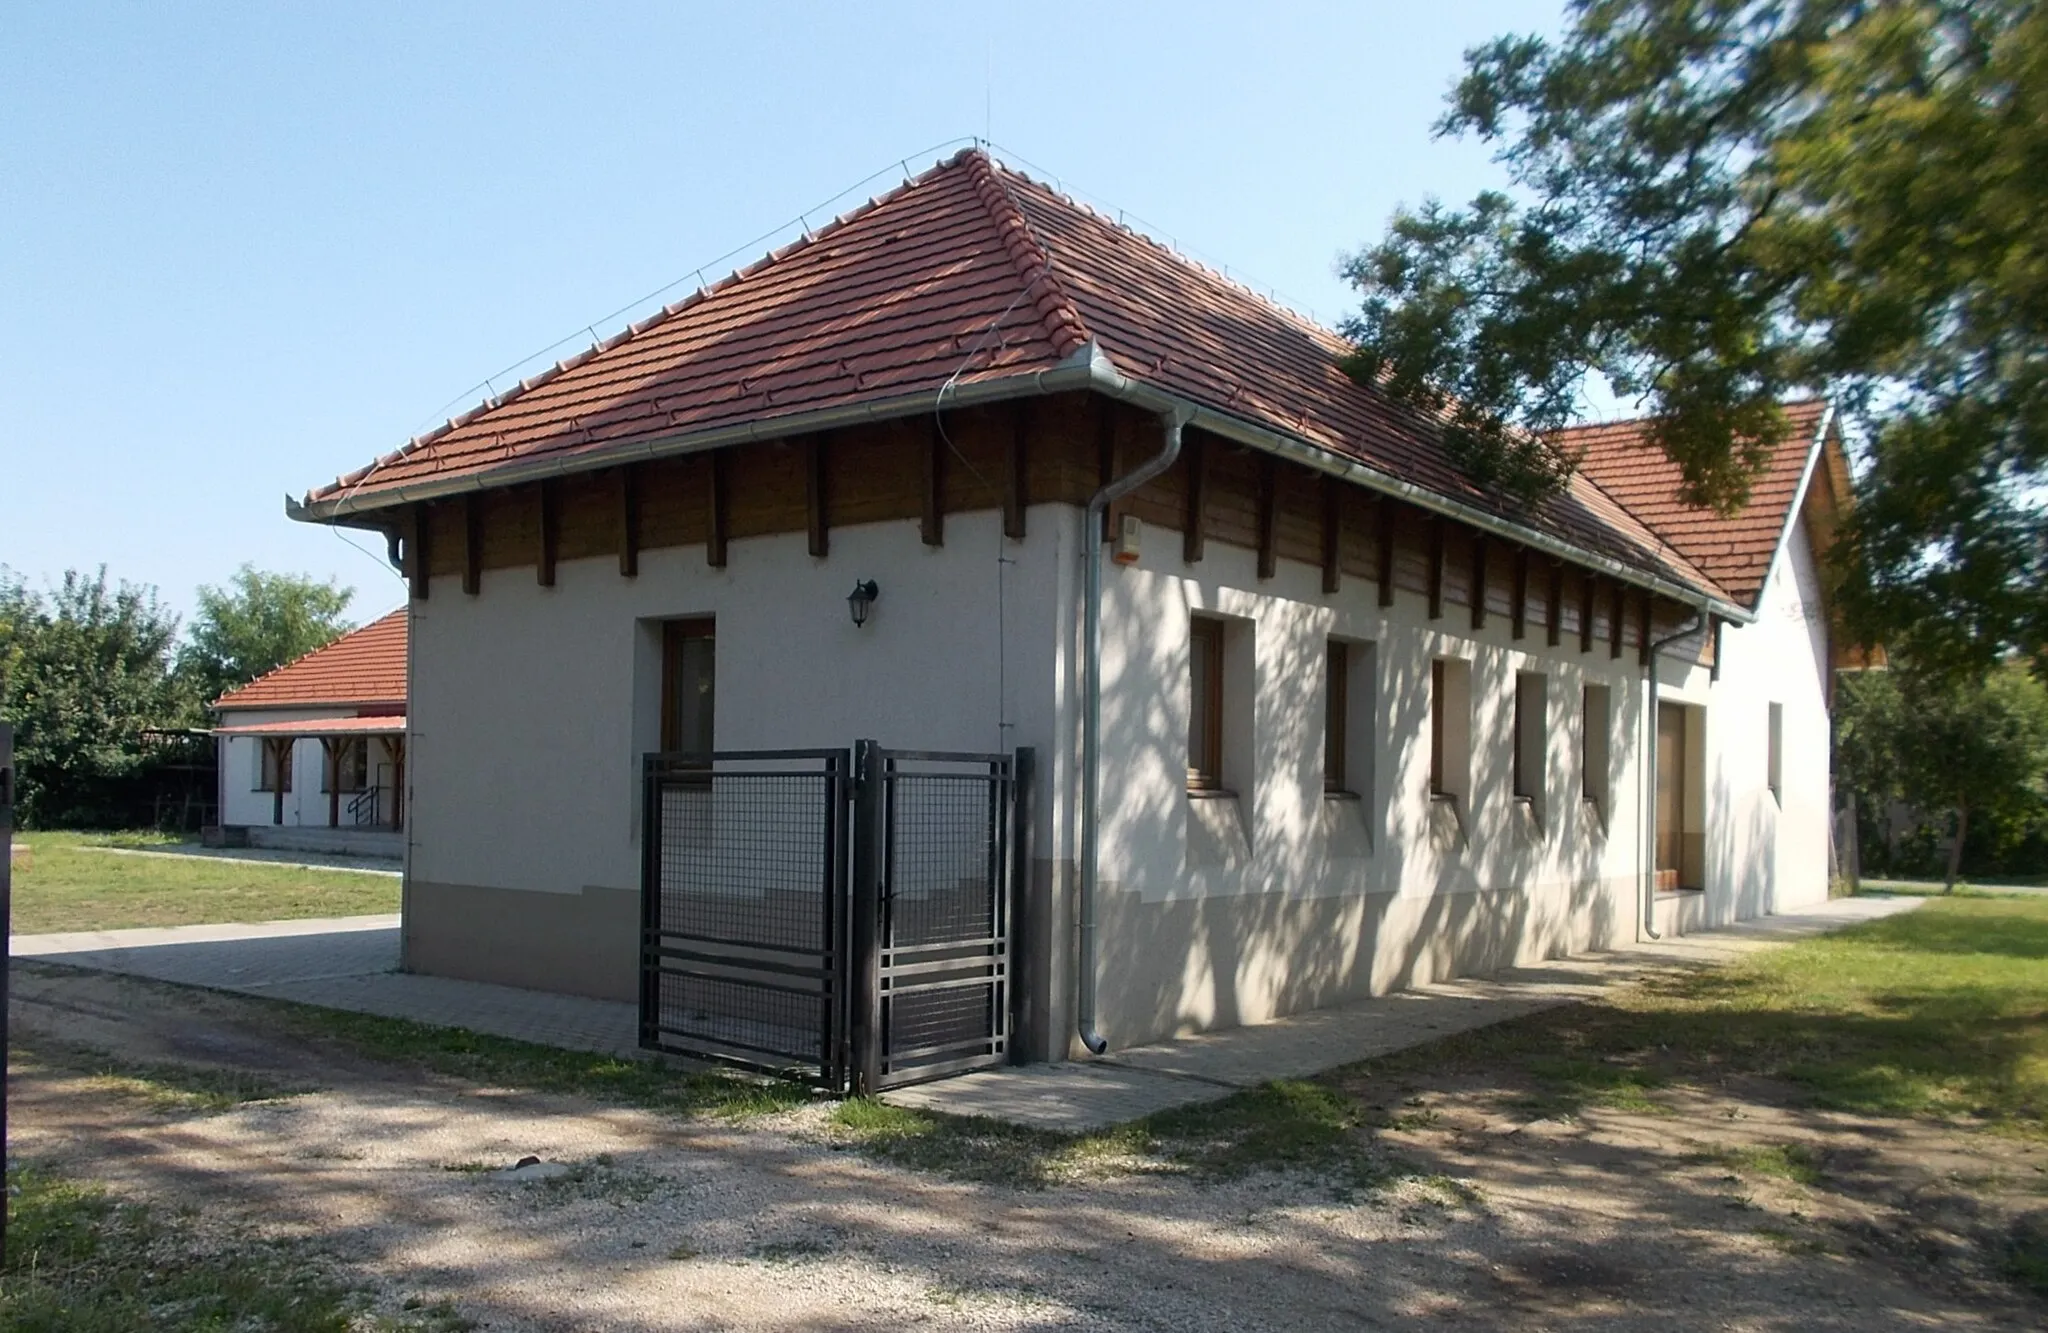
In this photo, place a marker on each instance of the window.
(1336, 712)
(1205, 704)
(1776, 758)
(1531, 736)
(1593, 742)
(1436, 728)
(273, 765)
(688, 658)
(350, 756)
(1450, 729)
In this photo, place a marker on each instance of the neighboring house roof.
(1735, 550)
(383, 724)
(364, 666)
(969, 275)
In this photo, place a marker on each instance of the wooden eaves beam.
(1383, 530)
(931, 527)
(1478, 583)
(547, 531)
(629, 520)
(1554, 612)
(1333, 534)
(1617, 618)
(1589, 592)
(472, 543)
(1518, 619)
(1436, 568)
(1194, 527)
(1016, 473)
(1269, 504)
(816, 519)
(717, 518)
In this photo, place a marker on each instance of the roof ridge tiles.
(1064, 327)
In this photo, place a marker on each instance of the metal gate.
(843, 917)
(743, 909)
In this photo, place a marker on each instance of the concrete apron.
(1144, 1080)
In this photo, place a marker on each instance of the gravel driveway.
(658, 1223)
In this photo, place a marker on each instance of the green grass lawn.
(72, 881)
(1939, 1013)
(81, 1261)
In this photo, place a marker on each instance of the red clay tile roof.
(969, 273)
(383, 724)
(1736, 550)
(364, 666)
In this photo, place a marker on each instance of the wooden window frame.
(1438, 683)
(1205, 643)
(673, 635)
(267, 777)
(1336, 717)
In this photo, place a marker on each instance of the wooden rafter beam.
(1017, 472)
(472, 543)
(1519, 618)
(1269, 504)
(419, 552)
(1194, 528)
(548, 525)
(1478, 584)
(1645, 627)
(1589, 591)
(717, 509)
(629, 520)
(1105, 461)
(1617, 618)
(931, 528)
(1553, 629)
(816, 502)
(1438, 535)
(1333, 534)
(1383, 531)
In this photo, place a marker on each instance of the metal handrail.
(369, 800)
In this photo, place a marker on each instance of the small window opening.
(1205, 704)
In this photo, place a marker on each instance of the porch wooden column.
(330, 758)
(280, 775)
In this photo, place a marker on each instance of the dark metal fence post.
(6, 946)
(864, 1002)
(650, 904)
(1024, 1020)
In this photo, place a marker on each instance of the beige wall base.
(585, 943)
(1196, 964)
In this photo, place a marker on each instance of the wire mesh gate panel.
(743, 905)
(934, 834)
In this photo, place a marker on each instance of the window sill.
(1329, 795)
(1211, 794)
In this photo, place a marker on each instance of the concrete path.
(351, 963)
(1143, 1080)
(339, 963)
(354, 865)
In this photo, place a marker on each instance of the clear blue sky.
(246, 247)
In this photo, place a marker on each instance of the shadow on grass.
(474, 1057)
(82, 1262)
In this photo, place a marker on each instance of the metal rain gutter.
(1089, 367)
(1172, 423)
(1648, 786)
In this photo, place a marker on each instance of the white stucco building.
(312, 755)
(1362, 725)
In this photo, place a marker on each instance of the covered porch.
(362, 781)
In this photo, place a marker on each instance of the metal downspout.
(1648, 823)
(1091, 712)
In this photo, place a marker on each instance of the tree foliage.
(257, 623)
(1972, 752)
(1717, 204)
(84, 672)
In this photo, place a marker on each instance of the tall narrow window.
(274, 765)
(688, 681)
(1437, 709)
(1593, 758)
(1776, 760)
(1336, 713)
(1531, 736)
(1205, 705)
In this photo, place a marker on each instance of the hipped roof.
(971, 274)
(364, 666)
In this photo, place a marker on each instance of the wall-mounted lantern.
(861, 599)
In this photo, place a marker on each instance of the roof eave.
(1088, 368)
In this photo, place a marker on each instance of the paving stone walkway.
(351, 963)
(340, 963)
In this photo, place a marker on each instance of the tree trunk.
(1955, 853)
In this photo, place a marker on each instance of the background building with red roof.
(1363, 724)
(312, 755)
